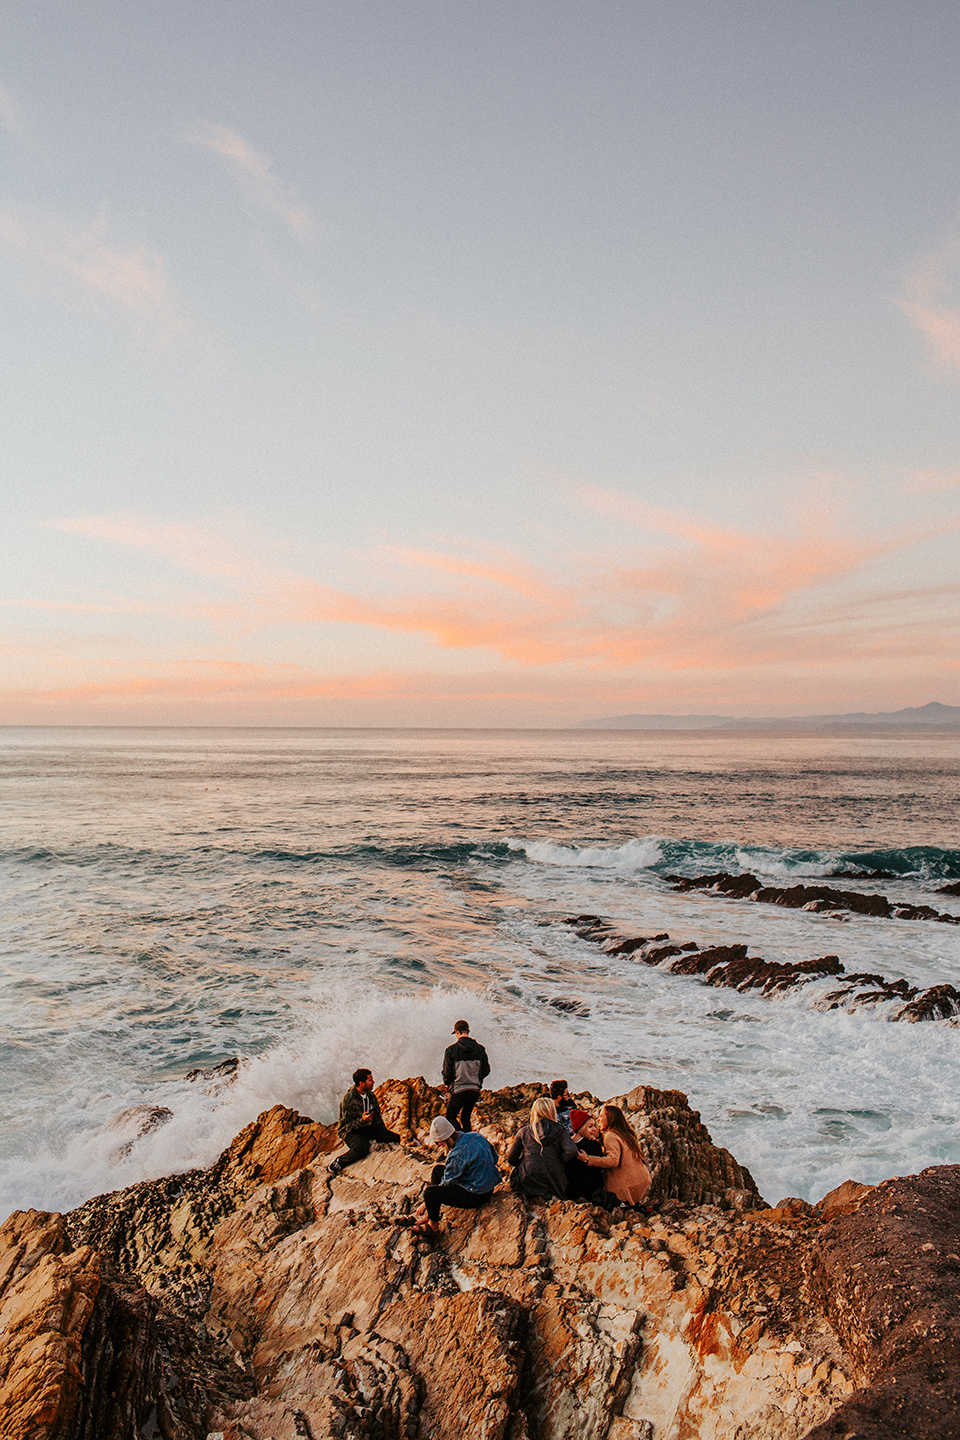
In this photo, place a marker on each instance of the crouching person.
(467, 1179)
(360, 1123)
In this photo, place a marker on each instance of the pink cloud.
(705, 597)
(930, 482)
(131, 278)
(925, 303)
(256, 177)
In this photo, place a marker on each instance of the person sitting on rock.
(564, 1101)
(627, 1177)
(465, 1067)
(584, 1177)
(467, 1179)
(539, 1153)
(360, 1123)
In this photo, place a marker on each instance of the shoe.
(334, 1168)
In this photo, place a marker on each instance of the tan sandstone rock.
(259, 1302)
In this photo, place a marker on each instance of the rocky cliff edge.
(261, 1300)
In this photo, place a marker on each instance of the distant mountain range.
(915, 717)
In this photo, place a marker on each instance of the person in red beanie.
(585, 1181)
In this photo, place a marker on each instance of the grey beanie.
(441, 1129)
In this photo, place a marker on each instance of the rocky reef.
(263, 1299)
(732, 968)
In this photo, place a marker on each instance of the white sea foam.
(640, 854)
(168, 901)
(781, 864)
(396, 1035)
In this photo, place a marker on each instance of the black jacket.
(539, 1164)
(465, 1065)
(585, 1181)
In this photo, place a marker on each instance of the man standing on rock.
(360, 1123)
(465, 1067)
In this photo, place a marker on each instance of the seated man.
(465, 1182)
(564, 1101)
(360, 1123)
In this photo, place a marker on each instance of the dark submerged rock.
(807, 897)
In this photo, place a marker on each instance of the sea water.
(313, 900)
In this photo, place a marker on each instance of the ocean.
(312, 900)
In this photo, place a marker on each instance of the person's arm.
(515, 1153)
(448, 1071)
(484, 1066)
(455, 1167)
(611, 1159)
(568, 1147)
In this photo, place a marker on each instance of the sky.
(477, 364)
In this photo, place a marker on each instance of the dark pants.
(359, 1142)
(455, 1196)
(461, 1104)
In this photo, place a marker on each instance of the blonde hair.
(542, 1109)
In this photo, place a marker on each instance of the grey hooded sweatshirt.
(465, 1065)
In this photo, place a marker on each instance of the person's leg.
(468, 1099)
(459, 1199)
(453, 1196)
(432, 1200)
(460, 1108)
(358, 1148)
(436, 1174)
(381, 1133)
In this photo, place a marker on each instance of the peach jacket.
(628, 1178)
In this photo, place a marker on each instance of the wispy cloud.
(930, 482)
(927, 303)
(11, 112)
(694, 596)
(131, 277)
(253, 172)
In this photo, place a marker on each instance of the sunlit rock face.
(261, 1299)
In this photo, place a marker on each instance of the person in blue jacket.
(467, 1179)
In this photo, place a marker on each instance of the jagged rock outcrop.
(809, 897)
(258, 1302)
(731, 967)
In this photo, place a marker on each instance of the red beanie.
(578, 1118)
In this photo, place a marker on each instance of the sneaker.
(334, 1168)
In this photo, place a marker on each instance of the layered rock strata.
(730, 967)
(263, 1300)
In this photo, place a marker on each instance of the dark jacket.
(472, 1164)
(352, 1109)
(465, 1065)
(539, 1164)
(585, 1182)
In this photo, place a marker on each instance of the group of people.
(563, 1152)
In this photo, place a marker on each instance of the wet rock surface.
(810, 897)
(730, 966)
(264, 1299)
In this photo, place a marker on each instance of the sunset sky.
(478, 364)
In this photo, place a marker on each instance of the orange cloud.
(705, 597)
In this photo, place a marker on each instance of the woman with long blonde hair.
(539, 1153)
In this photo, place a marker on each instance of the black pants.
(461, 1104)
(455, 1196)
(359, 1142)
